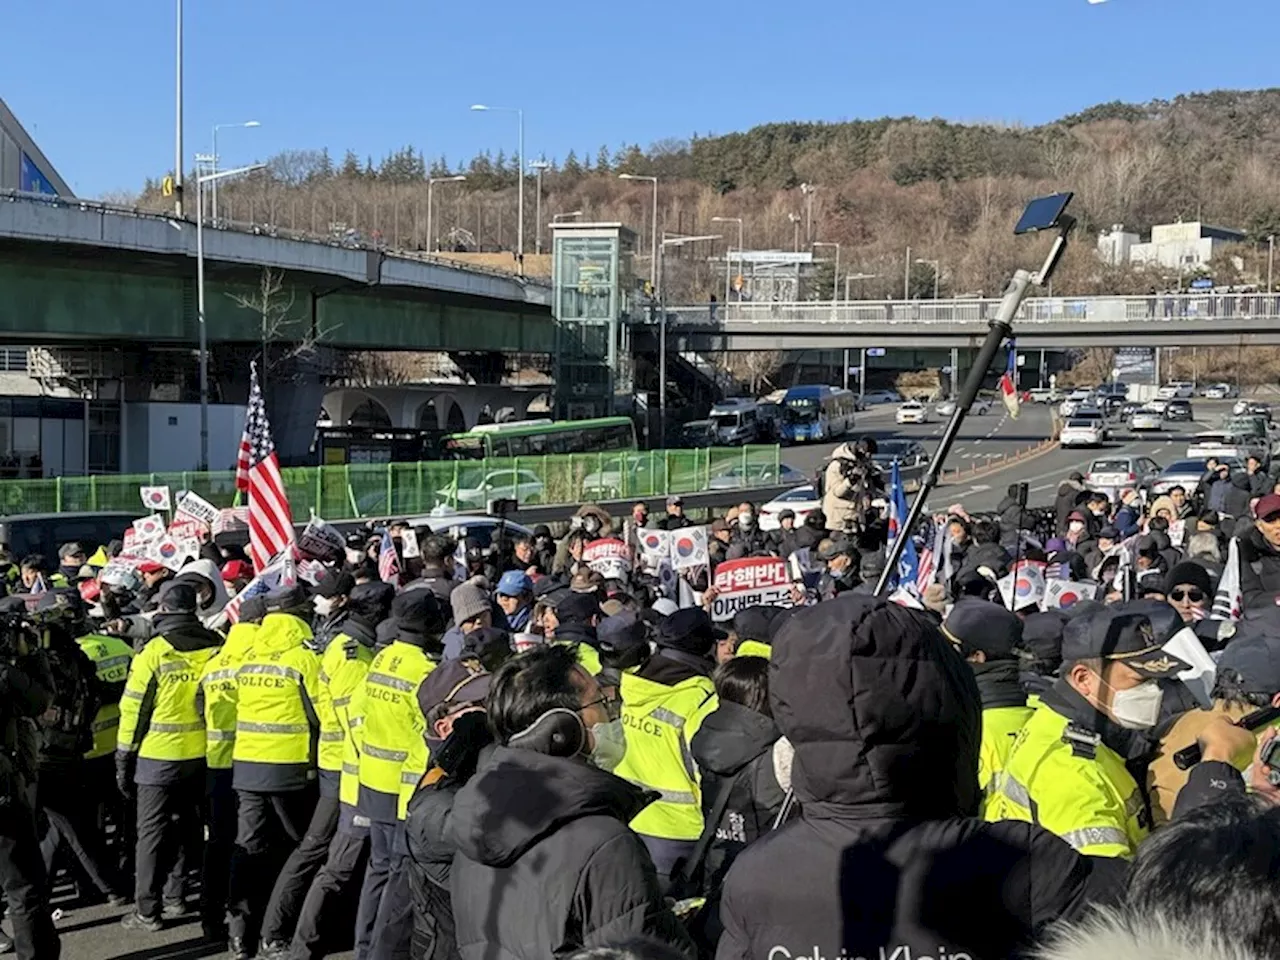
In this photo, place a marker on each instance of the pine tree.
(572, 168)
(350, 169)
(604, 163)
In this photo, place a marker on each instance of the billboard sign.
(31, 180)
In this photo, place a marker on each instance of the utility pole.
(177, 127)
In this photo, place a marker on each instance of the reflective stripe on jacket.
(1092, 803)
(1000, 725)
(343, 669)
(161, 720)
(277, 720)
(393, 751)
(660, 722)
(111, 657)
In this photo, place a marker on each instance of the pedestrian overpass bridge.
(1165, 320)
(85, 272)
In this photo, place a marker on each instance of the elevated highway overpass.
(84, 272)
(1188, 319)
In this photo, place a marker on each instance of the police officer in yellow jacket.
(344, 664)
(161, 748)
(988, 636)
(278, 694)
(393, 750)
(1067, 771)
(663, 705)
(220, 689)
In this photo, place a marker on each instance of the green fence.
(404, 489)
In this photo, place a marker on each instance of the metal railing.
(1154, 308)
(411, 489)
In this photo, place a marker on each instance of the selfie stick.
(1001, 328)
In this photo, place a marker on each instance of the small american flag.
(388, 560)
(929, 557)
(258, 475)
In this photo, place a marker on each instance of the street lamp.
(519, 166)
(738, 221)
(850, 277)
(431, 182)
(795, 223)
(662, 330)
(538, 165)
(201, 180)
(1271, 260)
(653, 227)
(808, 189)
(835, 282)
(937, 273)
(213, 192)
(571, 215)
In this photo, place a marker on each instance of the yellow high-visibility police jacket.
(344, 666)
(1073, 785)
(393, 750)
(219, 685)
(111, 657)
(277, 717)
(660, 722)
(161, 717)
(1000, 725)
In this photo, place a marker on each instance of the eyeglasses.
(610, 705)
(1192, 594)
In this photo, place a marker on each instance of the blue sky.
(98, 95)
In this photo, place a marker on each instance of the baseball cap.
(284, 599)
(786, 514)
(178, 598)
(1267, 507)
(577, 608)
(689, 630)
(675, 500)
(1120, 637)
(335, 583)
(239, 570)
(621, 632)
(453, 682)
(150, 566)
(982, 625)
(72, 549)
(1256, 660)
(514, 582)
(1108, 533)
(834, 547)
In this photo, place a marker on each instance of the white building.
(1116, 244)
(1184, 246)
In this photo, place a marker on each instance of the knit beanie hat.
(469, 600)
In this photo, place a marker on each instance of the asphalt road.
(983, 439)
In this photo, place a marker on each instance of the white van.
(736, 422)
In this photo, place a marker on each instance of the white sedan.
(802, 501)
(1081, 433)
(981, 406)
(913, 411)
(1146, 419)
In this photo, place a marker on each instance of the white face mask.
(591, 524)
(610, 744)
(354, 556)
(1137, 708)
(1075, 526)
(324, 605)
(746, 521)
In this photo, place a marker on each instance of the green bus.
(531, 438)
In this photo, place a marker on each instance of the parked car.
(1043, 394)
(1075, 400)
(875, 398)
(1179, 411)
(1116, 473)
(913, 411)
(1081, 433)
(43, 533)
(1146, 419)
(1220, 445)
(1220, 391)
(480, 527)
(803, 500)
(523, 486)
(908, 453)
(752, 475)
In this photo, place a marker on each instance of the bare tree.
(273, 302)
(755, 367)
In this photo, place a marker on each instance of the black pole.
(1000, 330)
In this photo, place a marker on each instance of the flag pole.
(1001, 328)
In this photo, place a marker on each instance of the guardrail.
(409, 489)
(1172, 306)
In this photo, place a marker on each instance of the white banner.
(609, 557)
(750, 582)
(409, 544)
(322, 541)
(199, 508)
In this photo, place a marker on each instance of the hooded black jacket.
(734, 750)
(546, 863)
(1259, 571)
(1235, 502)
(887, 858)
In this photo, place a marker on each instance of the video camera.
(19, 635)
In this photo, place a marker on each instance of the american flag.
(258, 475)
(282, 572)
(930, 556)
(388, 560)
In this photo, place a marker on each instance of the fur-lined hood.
(1110, 935)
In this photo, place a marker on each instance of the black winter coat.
(546, 863)
(888, 858)
(1235, 502)
(431, 853)
(734, 749)
(1259, 571)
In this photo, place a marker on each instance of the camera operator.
(851, 481)
(26, 692)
